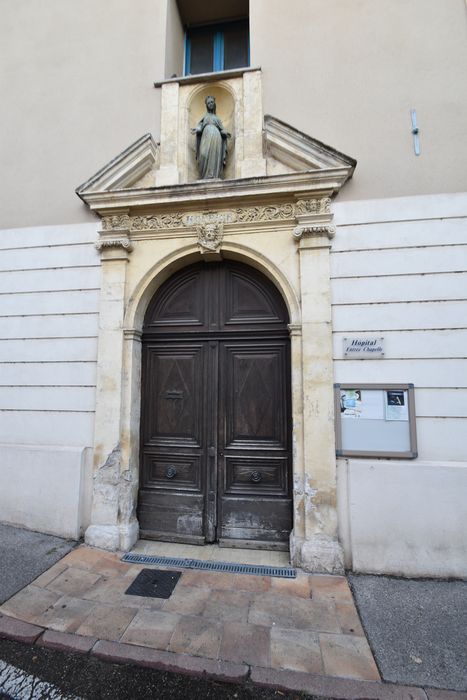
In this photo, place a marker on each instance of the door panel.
(172, 480)
(253, 394)
(174, 376)
(254, 449)
(242, 474)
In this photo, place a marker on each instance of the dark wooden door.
(215, 425)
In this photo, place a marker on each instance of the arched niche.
(225, 104)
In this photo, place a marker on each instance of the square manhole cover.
(154, 584)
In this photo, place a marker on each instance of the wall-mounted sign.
(363, 348)
(375, 420)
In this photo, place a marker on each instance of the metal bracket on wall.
(415, 132)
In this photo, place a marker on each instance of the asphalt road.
(417, 629)
(25, 555)
(86, 678)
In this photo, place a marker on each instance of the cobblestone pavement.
(307, 624)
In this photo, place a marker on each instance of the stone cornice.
(207, 77)
(123, 170)
(322, 182)
(300, 151)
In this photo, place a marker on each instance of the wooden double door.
(215, 423)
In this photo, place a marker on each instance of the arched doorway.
(216, 419)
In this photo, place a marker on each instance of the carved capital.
(123, 242)
(314, 230)
(114, 247)
(132, 334)
(314, 220)
(295, 329)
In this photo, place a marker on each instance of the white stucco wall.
(49, 290)
(399, 270)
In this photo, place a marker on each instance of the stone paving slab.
(308, 624)
(220, 670)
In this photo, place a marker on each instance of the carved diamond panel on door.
(174, 385)
(253, 392)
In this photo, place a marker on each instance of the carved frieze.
(118, 221)
(243, 215)
(269, 213)
(312, 206)
(155, 222)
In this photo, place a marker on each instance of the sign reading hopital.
(365, 348)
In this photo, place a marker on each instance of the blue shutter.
(218, 53)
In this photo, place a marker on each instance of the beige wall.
(175, 44)
(347, 72)
(76, 91)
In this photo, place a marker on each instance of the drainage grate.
(226, 567)
(154, 584)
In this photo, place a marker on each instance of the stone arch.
(183, 257)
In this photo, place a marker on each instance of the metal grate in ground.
(154, 584)
(221, 566)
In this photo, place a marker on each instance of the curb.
(224, 671)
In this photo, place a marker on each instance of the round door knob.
(256, 477)
(170, 472)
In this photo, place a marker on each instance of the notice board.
(375, 420)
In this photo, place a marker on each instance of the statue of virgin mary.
(211, 143)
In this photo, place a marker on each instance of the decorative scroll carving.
(269, 213)
(210, 237)
(156, 222)
(242, 215)
(123, 242)
(318, 230)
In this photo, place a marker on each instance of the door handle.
(221, 454)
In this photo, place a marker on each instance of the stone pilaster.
(168, 172)
(112, 483)
(253, 162)
(319, 550)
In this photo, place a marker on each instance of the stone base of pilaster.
(321, 554)
(112, 537)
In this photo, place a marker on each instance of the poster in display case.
(375, 420)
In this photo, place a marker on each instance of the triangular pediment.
(294, 161)
(297, 152)
(132, 169)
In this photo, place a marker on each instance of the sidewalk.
(296, 634)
